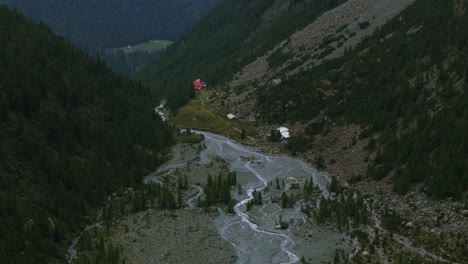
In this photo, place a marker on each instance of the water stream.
(253, 234)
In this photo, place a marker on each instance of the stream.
(253, 234)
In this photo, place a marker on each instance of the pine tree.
(284, 200)
(243, 134)
(185, 182)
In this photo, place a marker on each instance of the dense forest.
(71, 133)
(129, 64)
(407, 86)
(231, 35)
(99, 25)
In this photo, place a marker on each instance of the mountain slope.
(99, 25)
(231, 35)
(325, 38)
(72, 132)
(406, 86)
(401, 91)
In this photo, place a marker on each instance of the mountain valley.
(100, 168)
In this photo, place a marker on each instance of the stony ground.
(178, 236)
(190, 235)
(344, 156)
(342, 20)
(304, 41)
(344, 159)
(186, 235)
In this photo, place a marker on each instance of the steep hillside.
(329, 36)
(72, 132)
(99, 25)
(401, 90)
(406, 86)
(231, 35)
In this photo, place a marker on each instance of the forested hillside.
(231, 35)
(407, 86)
(99, 25)
(71, 133)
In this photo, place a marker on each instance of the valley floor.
(419, 217)
(192, 234)
(171, 236)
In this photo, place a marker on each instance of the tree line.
(231, 35)
(407, 90)
(72, 133)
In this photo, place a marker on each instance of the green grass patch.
(208, 114)
(150, 46)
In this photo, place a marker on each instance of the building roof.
(284, 132)
(231, 116)
(199, 84)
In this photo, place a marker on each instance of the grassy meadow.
(150, 46)
(208, 114)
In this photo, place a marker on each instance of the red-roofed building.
(199, 84)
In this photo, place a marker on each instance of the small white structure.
(231, 116)
(284, 132)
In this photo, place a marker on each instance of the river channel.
(255, 235)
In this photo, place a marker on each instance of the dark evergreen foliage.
(71, 133)
(218, 189)
(131, 63)
(98, 25)
(407, 83)
(232, 34)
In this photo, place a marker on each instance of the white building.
(284, 132)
